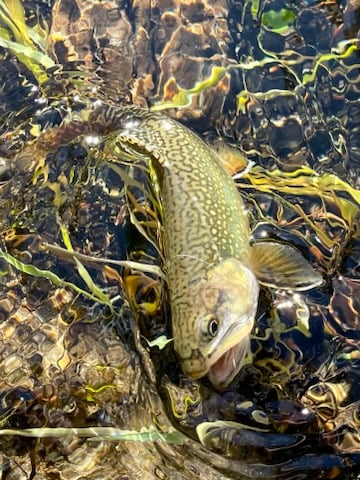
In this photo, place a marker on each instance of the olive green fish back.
(203, 212)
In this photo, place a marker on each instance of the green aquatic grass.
(28, 44)
(92, 290)
(305, 181)
(132, 265)
(183, 98)
(278, 21)
(114, 151)
(84, 274)
(97, 434)
(94, 293)
(343, 51)
(52, 277)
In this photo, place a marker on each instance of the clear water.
(286, 93)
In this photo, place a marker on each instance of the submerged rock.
(70, 360)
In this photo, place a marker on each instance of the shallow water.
(286, 93)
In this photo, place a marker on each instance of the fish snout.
(195, 366)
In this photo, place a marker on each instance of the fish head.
(219, 323)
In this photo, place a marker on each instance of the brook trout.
(212, 270)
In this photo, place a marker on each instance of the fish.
(213, 270)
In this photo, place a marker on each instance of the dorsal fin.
(231, 159)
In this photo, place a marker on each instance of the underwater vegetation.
(90, 382)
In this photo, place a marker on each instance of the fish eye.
(213, 326)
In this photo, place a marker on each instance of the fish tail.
(105, 118)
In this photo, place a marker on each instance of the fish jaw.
(227, 358)
(224, 360)
(228, 293)
(223, 371)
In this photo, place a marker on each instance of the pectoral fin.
(281, 266)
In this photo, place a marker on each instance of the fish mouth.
(223, 371)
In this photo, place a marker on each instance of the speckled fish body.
(213, 289)
(205, 223)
